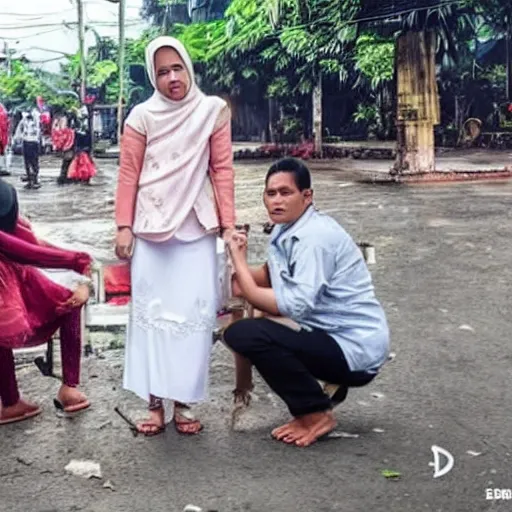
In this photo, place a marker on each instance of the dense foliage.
(271, 54)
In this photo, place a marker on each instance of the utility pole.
(508, 53)
(122, 16)
(7, 52)
(81, 46)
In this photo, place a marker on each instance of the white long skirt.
(175, 297)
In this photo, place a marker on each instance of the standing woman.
(175, 195)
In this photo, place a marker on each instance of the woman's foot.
(184, 420)
(153, 425)
(20, 411)
(71, 400)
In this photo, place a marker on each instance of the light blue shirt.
(321, 281)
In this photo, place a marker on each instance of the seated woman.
(33, 307)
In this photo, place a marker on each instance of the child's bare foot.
(22, 410)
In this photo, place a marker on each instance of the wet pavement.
(443, 275)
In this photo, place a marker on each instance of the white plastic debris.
(473, 454)
(391, 357)
(466, 328)
(109, 485)
(84, 468)
(342, 435)
(378, 430)
(192, 508)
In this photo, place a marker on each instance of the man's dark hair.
(301, 174)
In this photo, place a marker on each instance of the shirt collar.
(293, 227)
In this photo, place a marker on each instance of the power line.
(133, 21)
(447, 3)
(28, 36)
(34, 16)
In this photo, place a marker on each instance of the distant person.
(4, 139)
(82, 167)
(30, 132)
(323, 321)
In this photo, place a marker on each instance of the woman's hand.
(77, 300)
(124, 243)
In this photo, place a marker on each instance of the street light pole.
(122, 16)
(81, 45)
(7, 52)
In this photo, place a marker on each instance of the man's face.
(172, 78)
(285, 203)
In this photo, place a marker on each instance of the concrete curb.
(435, 178)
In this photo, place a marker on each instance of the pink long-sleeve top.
(133, 147)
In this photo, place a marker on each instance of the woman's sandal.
(184, 421)
(149, 428)
(21, 417)
(154, 429)
(72, 408)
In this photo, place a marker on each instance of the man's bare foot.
(71, 400)
(316, 425)
(22, 410)
(290, 432)
(153, 425)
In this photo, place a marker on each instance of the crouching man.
(323, 321)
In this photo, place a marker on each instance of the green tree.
(24, 84)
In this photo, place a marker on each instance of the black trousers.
(67, 158)
(31, 159)
(292, 362)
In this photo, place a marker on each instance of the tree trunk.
(418, 108)
(317, 116)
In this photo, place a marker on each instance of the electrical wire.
(328, 19)
(446, 3)
(28, 36)
(133, 21)
(37, 15)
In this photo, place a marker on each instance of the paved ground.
(443, 274)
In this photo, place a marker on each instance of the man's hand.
(77, 300)
(124, 243)
(237, 244)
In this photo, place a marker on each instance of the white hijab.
(177, 148)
